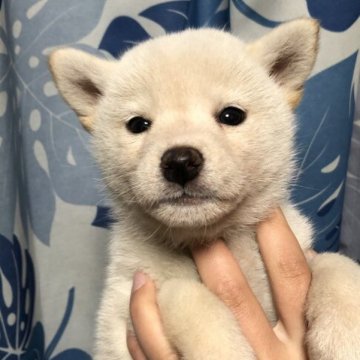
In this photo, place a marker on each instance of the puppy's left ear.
(288, 54)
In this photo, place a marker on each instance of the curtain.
(53, 210)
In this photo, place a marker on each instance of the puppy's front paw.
(198, 324)
(333, 309)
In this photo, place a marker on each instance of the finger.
(221, 273)
(146, 320)
(288, 271)
(134, 347)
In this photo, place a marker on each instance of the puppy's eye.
(232, 116)
(138, 125)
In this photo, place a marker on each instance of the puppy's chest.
(163, 264)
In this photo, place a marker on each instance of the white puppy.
(194, 133)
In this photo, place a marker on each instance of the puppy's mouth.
(190, 209)
(186, 200)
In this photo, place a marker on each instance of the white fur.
(180, 82)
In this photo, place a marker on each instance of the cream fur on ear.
(81, 79)
(288, 54)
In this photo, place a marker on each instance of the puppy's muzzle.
(181, 164)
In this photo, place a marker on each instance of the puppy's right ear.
(81, 80)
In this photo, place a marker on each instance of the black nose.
(181, 164)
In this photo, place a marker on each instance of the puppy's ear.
(81, 80)
(288, 54)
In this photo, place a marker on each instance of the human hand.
(290, 279)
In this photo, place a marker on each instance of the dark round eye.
(138, 125)
(232, 116)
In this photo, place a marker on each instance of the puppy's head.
(193, 127)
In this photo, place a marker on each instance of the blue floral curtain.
(53, 212)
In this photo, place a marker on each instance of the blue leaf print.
(332, 237)
(54, 19)
(62, 326)
(36, 347)
(221, 20)
(172, 16)
(253, 15)
(19, 339)
(72, 354)
(334, 15)
(123, 33)
(103, 217)
(179, 15)
(40, 215)
(209, 14)
(50, 149)
(16, 298)
(325, 110)
(7, 171)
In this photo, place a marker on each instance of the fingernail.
(139, 280)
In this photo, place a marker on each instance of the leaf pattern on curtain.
(18, 335)
(324, 129)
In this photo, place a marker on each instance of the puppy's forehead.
(189, 46)
(187, 63)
